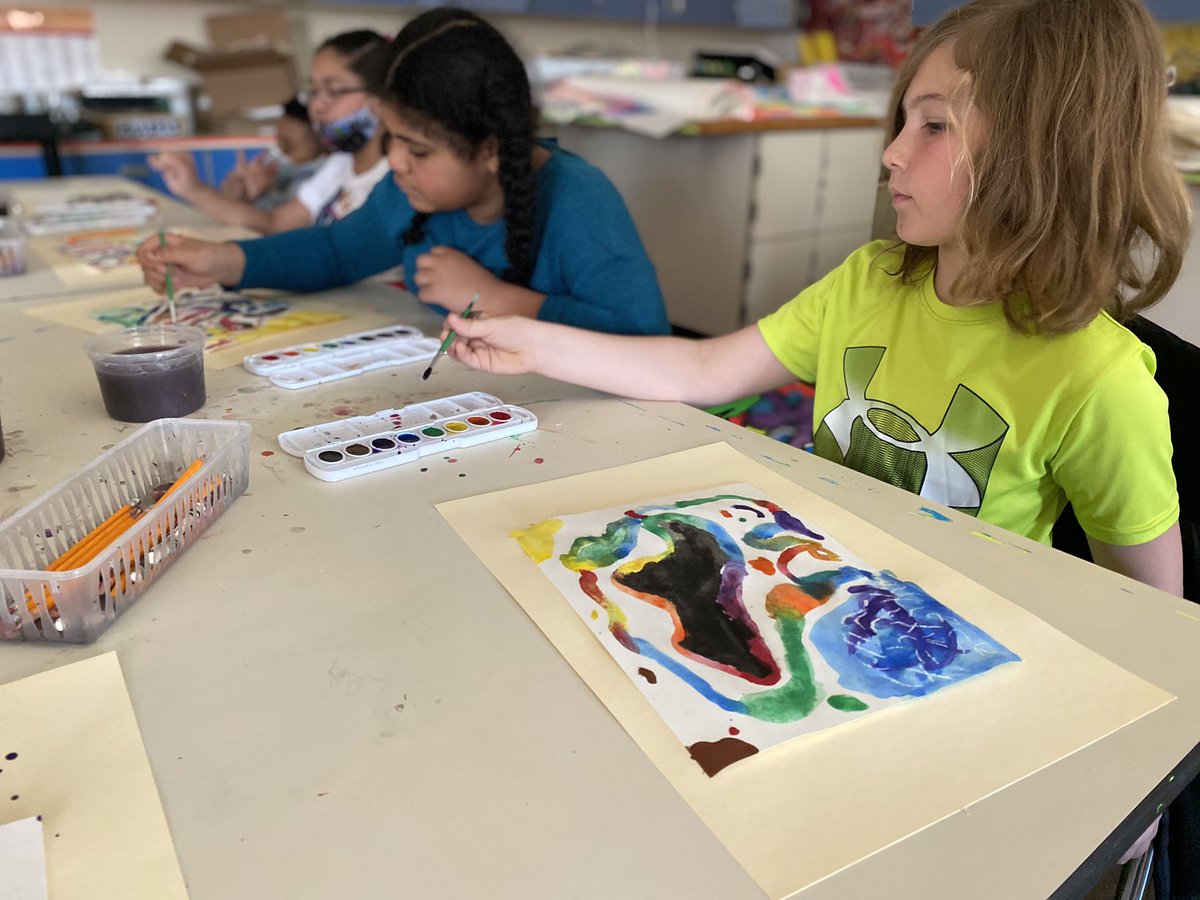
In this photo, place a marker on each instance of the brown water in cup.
(150, 372)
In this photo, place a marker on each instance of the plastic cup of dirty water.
(149, 372)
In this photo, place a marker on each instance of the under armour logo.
(950, 465)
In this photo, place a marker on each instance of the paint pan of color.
(304, 365)
(337, 450)
(150, 372)
(404, 423)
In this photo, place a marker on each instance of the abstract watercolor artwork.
(104, 250)
(811, 808)
(745, 623)
(228, 318)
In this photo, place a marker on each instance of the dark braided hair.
(453, 75)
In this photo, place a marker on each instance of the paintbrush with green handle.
(449, 339)
(162, 243)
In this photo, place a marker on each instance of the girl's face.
(296, 140)
(334, 91)
(928, 174)
(435, 178)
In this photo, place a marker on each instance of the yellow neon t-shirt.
(951, 403)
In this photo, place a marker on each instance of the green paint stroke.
(846, 703)
(774, 544)
(801, 694)
(600, 551)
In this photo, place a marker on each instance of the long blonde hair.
(1074, 206)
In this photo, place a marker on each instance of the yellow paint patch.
(538, 539)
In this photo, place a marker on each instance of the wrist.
(230, 264)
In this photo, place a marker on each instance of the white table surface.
(338, 700)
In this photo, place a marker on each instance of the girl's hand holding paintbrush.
(502, 345)
(192, 263)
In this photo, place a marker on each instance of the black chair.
(26, 128)
(1177, 848)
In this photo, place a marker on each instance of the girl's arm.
(702, 373)
(1158, 562)
(179, 172)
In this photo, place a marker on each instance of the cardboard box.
(249, 65)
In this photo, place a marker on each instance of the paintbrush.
(448, 340)
(162, 243)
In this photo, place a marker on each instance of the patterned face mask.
(351, 133)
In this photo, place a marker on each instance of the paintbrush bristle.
(428, 372)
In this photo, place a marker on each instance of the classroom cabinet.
(738, 224)
(814, 204)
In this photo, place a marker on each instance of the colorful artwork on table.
(228, 318)
(104, 250)
(746, 624)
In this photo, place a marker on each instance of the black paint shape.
(690, 580)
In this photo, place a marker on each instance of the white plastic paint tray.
(76, 605)
(344, 448)
(303, 365)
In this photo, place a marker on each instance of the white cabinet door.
(787, 184)
(690, 199)
(851, 177)
(779, 270)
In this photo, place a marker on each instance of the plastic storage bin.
(76, 605)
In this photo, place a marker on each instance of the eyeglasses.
(308, 95)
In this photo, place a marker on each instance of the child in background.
(347, 127)
(978, 361)
(272, 178)
(475, 206)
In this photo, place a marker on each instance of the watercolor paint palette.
(347, 447)
(304, 365)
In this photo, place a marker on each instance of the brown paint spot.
(763, 565)
(713, 756)
(727, 514)
(648, 675)
(268, 453)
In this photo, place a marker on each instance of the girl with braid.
(475, 207)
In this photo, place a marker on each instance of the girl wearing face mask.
(477, 206)
(345, 124)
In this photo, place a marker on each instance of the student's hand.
(234, 186)
(502, 345)
(260, 175)
(450, 278)
(178, 171)
(193, 263)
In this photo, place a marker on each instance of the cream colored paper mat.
(817, 804)
(78, 312)
(81, 766)
(75, 272)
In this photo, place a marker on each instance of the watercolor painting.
(104, 250)
(228, 318)
(746, 624)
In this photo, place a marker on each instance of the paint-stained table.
(337, 698)
(49, 273)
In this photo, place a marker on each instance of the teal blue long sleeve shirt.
(590, 262)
